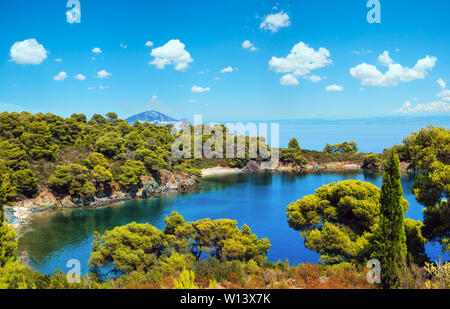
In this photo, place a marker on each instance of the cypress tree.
(390, 238)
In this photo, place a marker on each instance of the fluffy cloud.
(396, 73)
(334, 88)
(96, 50)
(103, 74)
(28, 52)
(60, 76)
(80, 77)
(314, 78)
(227, 70)
(289, 80)
(384, 59)
(173, 53)
(274, 22)
(248, 45)
(301, 60)
(149, 44)
(444, 95)
(199, 89)
(438, 106)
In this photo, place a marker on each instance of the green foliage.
(415, 242)
(338, 220)
(144, 248)
(97, 159)
(102, 177)
(72, 178)
(25, 182)
(109, 144)
(293, 156)
(345, 147)
(293, 144)
(134, 247)
(429, 152)
(372, 161)
(152, 160)
(8, 243)
(41, 150)
(14, 276)
(131, 172)
(185, 281)
(390, 239)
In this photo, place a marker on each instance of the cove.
(258, 200)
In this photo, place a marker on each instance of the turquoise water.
(258, 200)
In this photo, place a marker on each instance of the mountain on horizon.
(154, 117)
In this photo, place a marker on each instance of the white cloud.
(173, 53)
(103, 87)
(362, 51)
(441, 83)
(384, 59)
(227, 70)
(301, 60)
(80, 77)
(193, 101)
(91, 88)
(199, 89)
(28, 52)
(437, 106)
(289, 80)
(123, 46)
(60, 76)
(96, 50)
(149, 44)
(103, 74)
(334, 88)
(274, 22)
(396, 73)
(444, 95)
(249, 45)
(58, 60)
(314, 78)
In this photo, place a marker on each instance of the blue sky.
(41, 53)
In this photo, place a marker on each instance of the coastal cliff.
(21, 211)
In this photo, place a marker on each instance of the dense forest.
(348, 223)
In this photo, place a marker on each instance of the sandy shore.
(219, 171)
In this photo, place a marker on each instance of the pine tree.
(8, 243)
(390, 238)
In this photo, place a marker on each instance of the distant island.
(155, 117)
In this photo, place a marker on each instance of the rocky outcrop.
(168, 181)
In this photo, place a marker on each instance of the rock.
(251, 166)
(169, 181)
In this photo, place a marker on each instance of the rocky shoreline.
(21, 213)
